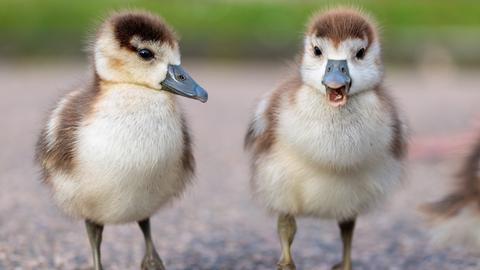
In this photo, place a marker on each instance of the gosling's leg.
(346, 231)
(286, 231)
(94, 232)
(151, 260)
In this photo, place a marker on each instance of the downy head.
(341, 55)
(140, 48)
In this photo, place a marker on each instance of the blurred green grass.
(242, 28)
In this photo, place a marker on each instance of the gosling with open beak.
(314, 154)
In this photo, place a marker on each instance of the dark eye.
(317, 51)
(145, 54)
(181, 77)
(360, 54)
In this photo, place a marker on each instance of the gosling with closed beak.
(117, 149)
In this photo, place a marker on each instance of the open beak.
(337, 81)
(179, 82)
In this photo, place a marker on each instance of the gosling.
(456, 217)
(328, 142)
(118, 148)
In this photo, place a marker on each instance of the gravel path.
(216, 225)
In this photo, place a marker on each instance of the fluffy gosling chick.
(329, 142)
(456, 217)
(118, 148)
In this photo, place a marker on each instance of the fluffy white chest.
(133, 133)
(128, 157)
(328, 162)
(343, 137)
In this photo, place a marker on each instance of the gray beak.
(179, 82)
(337, 75)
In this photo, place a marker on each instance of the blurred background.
(239, 29)
(238, 50)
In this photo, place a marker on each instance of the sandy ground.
(217, 225)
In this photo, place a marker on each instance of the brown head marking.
(143, 25)
(340, 24)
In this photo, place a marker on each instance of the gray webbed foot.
(339, 266)
(286, 266)
(152, 262)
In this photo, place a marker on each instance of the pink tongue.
(336, 98)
